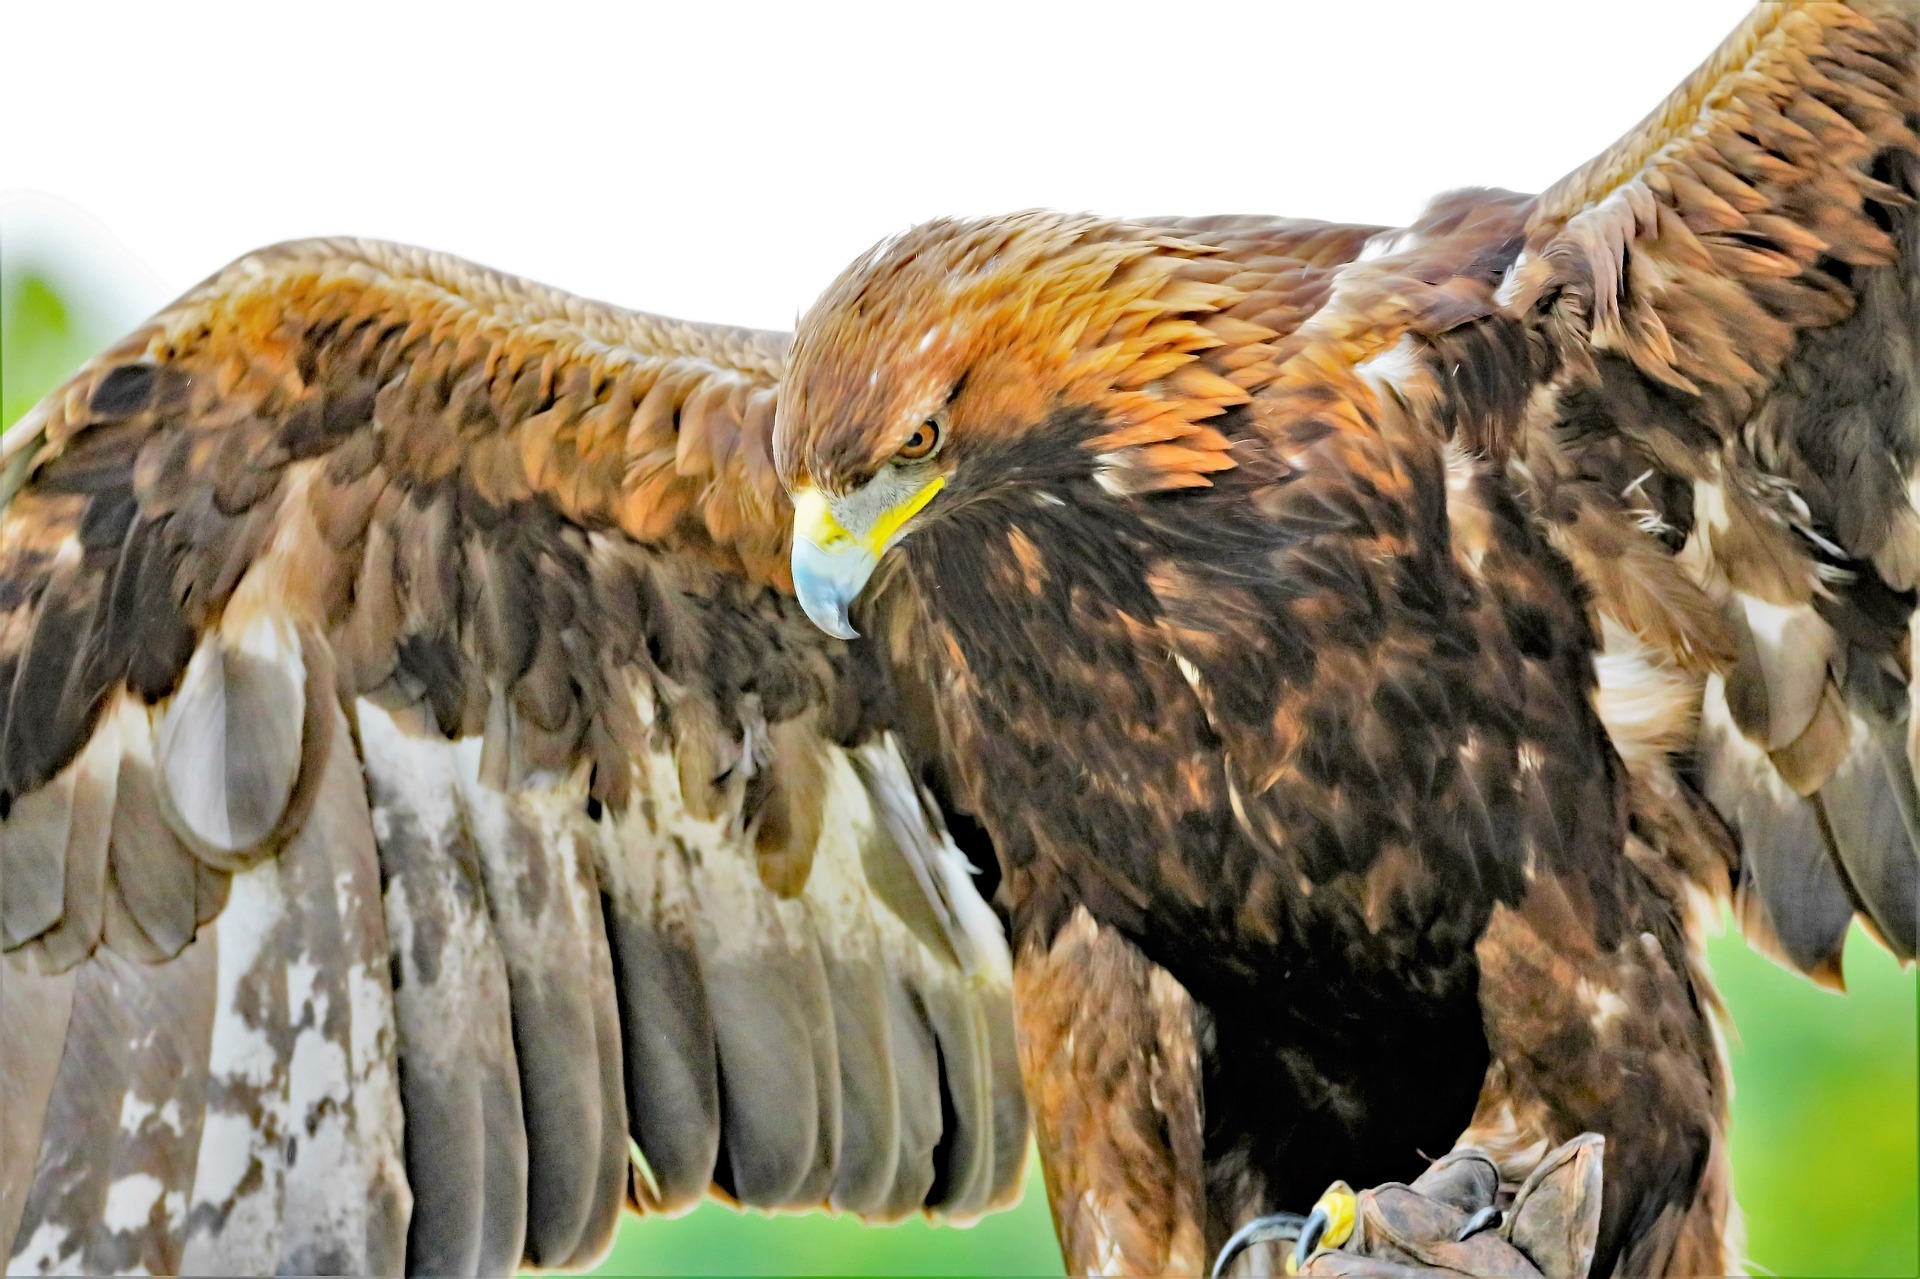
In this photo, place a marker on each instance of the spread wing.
(1728, 305)
(428, 823)
(1698, 358)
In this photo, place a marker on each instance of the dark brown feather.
(347, 478)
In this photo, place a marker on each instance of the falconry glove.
(1455, 1219)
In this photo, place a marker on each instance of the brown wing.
(1728, 307)
(428, 824)
(1699, 358)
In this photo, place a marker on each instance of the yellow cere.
(893, 520)
(814, 520)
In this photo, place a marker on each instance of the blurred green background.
(1826, 1113)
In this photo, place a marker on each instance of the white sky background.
(724, 163)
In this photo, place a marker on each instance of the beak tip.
(831, 620)
(827, 585)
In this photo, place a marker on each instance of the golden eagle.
(1354, 662)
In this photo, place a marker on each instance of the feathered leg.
(1611, 1034)
(1112, 1071)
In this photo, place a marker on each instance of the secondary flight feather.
(1354, 661)
(429, 826)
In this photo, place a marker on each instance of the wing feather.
(771, 1018)
(673, 1091)
(153, 897)
(39, 1012)
(1870, 808)
(1728, 302)
(344, 1182)
(1698, 359)
(396, 659)
(460, 1077)
(105, 1192)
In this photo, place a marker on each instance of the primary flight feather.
(1353, 660)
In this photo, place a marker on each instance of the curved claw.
(1329, 1224)
(1310, 1236)
(1280, 1227)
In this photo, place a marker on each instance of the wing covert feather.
(1697, 359)
(1726, 311)
(1752, 254)
(397, 665)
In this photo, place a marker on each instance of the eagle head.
(966, 360)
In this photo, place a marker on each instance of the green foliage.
(1826, 1108)
(41, 341)
(1825, 1146)
(718, 1240)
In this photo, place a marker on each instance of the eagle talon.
(1279, 1227)
(1329, 1225)
(1486, 1218)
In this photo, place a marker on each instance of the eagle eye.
(921, 444)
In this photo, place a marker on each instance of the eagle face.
(951, 365)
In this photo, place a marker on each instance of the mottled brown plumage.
(631, 859)
(1403, 674)
(1358, 659)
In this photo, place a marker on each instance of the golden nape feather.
(1355, 663)
(1158, 330)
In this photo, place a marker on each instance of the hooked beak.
(831, 565)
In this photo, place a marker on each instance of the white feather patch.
(1644, 700)
(1394, 369)
(234, 1224)
(131, 1200)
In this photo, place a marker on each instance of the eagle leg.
(1112, 1069)
(1599, 1022)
